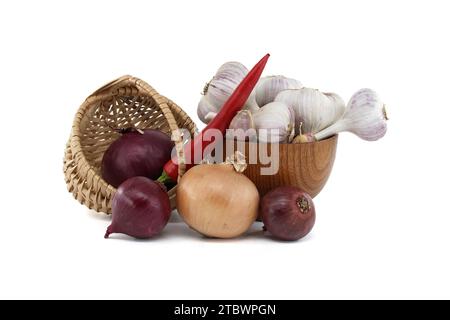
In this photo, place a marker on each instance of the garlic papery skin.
(364, 116)
(206, 111)
(217, 91)
(268, 88)
(338, 102)
(251, 104)
(222, 85)
(242, 127)
(313, 109)
(274, 123)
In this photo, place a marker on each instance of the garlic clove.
(364, 116)
(268, 88)
(274, 123)
(242, 127)
(303, 138)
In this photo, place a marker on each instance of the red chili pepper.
(221, 121)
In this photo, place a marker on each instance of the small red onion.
(140, 208)
(288, 213)
(136, 154)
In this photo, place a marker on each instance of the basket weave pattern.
(122, 103)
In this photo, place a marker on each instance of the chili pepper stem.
(164, 178)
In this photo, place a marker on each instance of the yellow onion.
(217, 200)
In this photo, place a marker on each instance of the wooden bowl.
(306, 165)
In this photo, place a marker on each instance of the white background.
(383, 224)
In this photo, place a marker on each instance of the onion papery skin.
(217, 201)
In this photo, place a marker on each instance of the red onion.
(140, 208)
(288, 213)
(136, 154)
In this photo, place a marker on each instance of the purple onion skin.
(135, 154)
(288, 213)
(140, 208)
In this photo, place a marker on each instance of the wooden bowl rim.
(296, 145)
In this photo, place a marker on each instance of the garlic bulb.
(313, 109)
(365, 116)
(218, 90)
(242, 127)
(268, 88)
(337, 101)
(275, 123)
(223, 83)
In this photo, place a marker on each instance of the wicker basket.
(125, 102)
